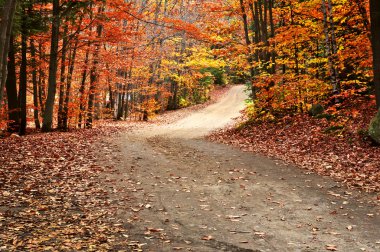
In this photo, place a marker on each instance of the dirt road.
(193, 195)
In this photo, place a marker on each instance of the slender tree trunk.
(41, 81)
(111, 95)
(272, 33)
(53, 65)
(265, 36)
(23, 75)
(334, 47)
(94, 77)
(375, 29)
(65, 118)
(62, 78)
(11, 86)
(83, 87)
(330, 44)
(35, 84)
(248, 44)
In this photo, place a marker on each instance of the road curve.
(213, 117)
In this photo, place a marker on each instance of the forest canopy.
(68, 63)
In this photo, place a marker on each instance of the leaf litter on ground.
(349, 157)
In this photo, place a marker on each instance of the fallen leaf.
(207, 238)
(331, 247)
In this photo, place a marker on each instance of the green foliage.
(217, 76)
(34, 22)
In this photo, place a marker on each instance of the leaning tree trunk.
(53, 65)
(375, 29)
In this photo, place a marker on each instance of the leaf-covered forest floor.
(337, 147)
(52, 191)
(50, 195)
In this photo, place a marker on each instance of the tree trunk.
(11, 86)
(248, 44)
(7, 14)
(62, 78)
(330, 44)
(375, 29)
(23, 75)
(65, 118)
(82, 88)
(53, 65)
(41, 81)
(35, 84)
(94, 77)
(334, 47)
(272, 33)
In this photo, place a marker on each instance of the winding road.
(188, 194)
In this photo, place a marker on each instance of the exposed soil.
(192, 195)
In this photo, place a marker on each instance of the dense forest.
(65, 64)
(189, 125)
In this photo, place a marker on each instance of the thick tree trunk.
(53, 65)
(375, 29)
(7, 14)
(11, 86)
(120, 109)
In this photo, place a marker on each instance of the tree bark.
(35, 84)
(330, 44)
(82, 87)
(62, 78)
(7, 14)
(65, 118)
(375, 29)
(53, 65)
(94, 76)
(41, 81)
(11, 86)
(23, 75)
(248, 44)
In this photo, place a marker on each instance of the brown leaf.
(207, 238)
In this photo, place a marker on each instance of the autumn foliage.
(134, 59)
